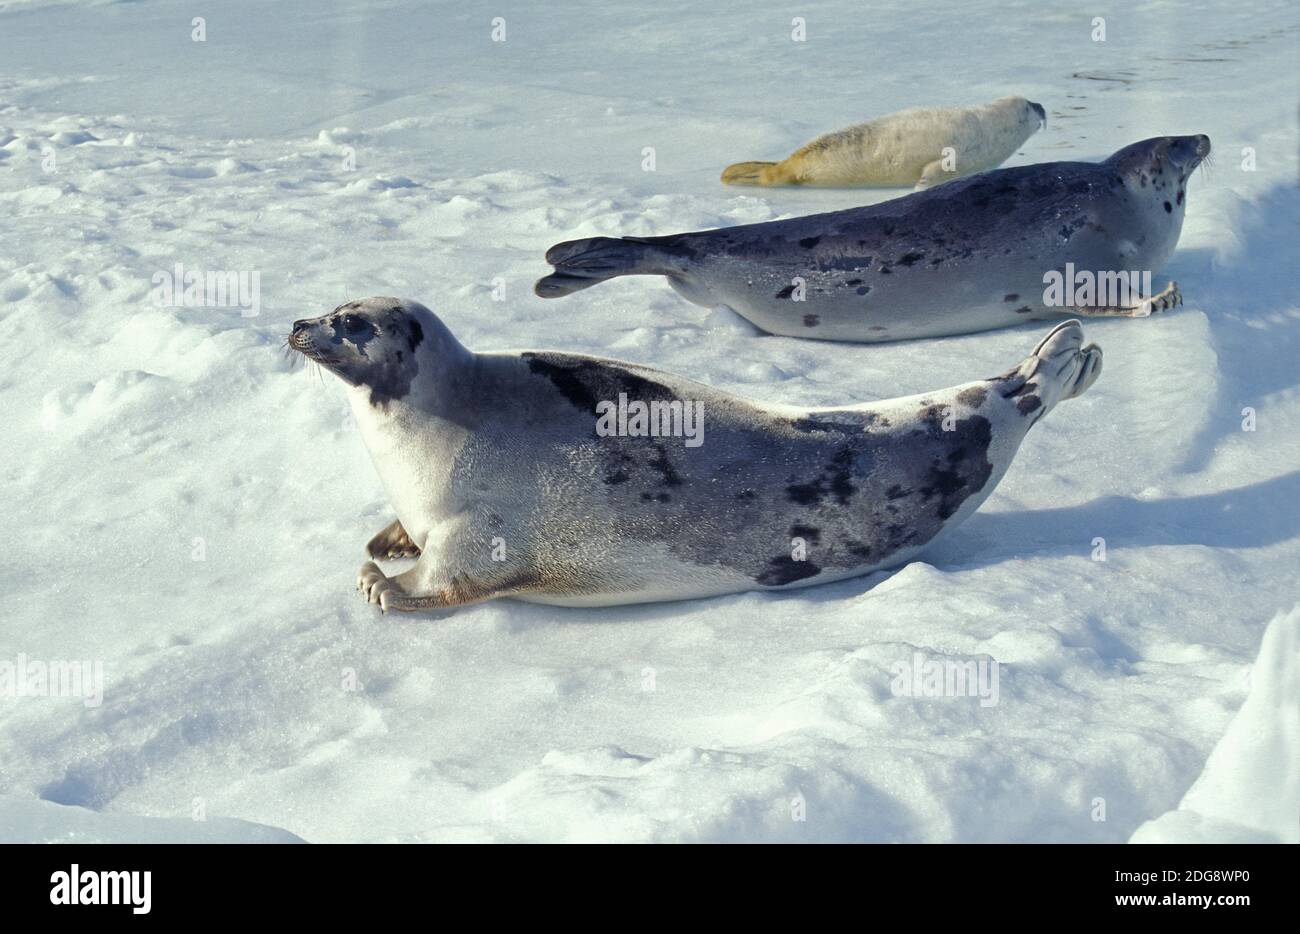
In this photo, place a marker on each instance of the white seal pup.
(567, 479)
(920, 147)
(965, 256)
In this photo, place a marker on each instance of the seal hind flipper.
(1061, 367)
(580, 264)
(558, 285)
(747, 173)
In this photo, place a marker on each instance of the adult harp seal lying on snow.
(505, 485)
(922, 146)
(967, 256)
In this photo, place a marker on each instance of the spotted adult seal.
(922, 146)
(968, 255)
(504, 483)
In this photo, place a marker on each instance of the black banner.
(335, 883)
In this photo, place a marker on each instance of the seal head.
(378, 343)
(1161, 161)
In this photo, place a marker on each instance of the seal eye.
(353, 324)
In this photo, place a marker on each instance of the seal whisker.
(1207, 165)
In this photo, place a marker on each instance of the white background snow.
(137, 437)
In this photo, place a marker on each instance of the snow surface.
(139, 438)
(24, 821)
(1250, 789)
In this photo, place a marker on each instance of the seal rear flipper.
(1060, 367)
(558, 285)
(580, 264)
(746, 173)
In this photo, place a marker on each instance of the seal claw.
(368, 579)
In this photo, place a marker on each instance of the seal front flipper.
(431, 586)
(580, 264)
(392, 542)
(409, 590)
(933, 174)
(398, 592)
(1168, 298)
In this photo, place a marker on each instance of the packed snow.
(24, 821)
(188, 510)
(1250, 789)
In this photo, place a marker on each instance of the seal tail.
(580, 264)
(1061, 367)
(746, 173)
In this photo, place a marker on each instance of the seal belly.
(868, 305)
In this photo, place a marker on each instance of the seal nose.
(1042, 113)
(299, 336)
